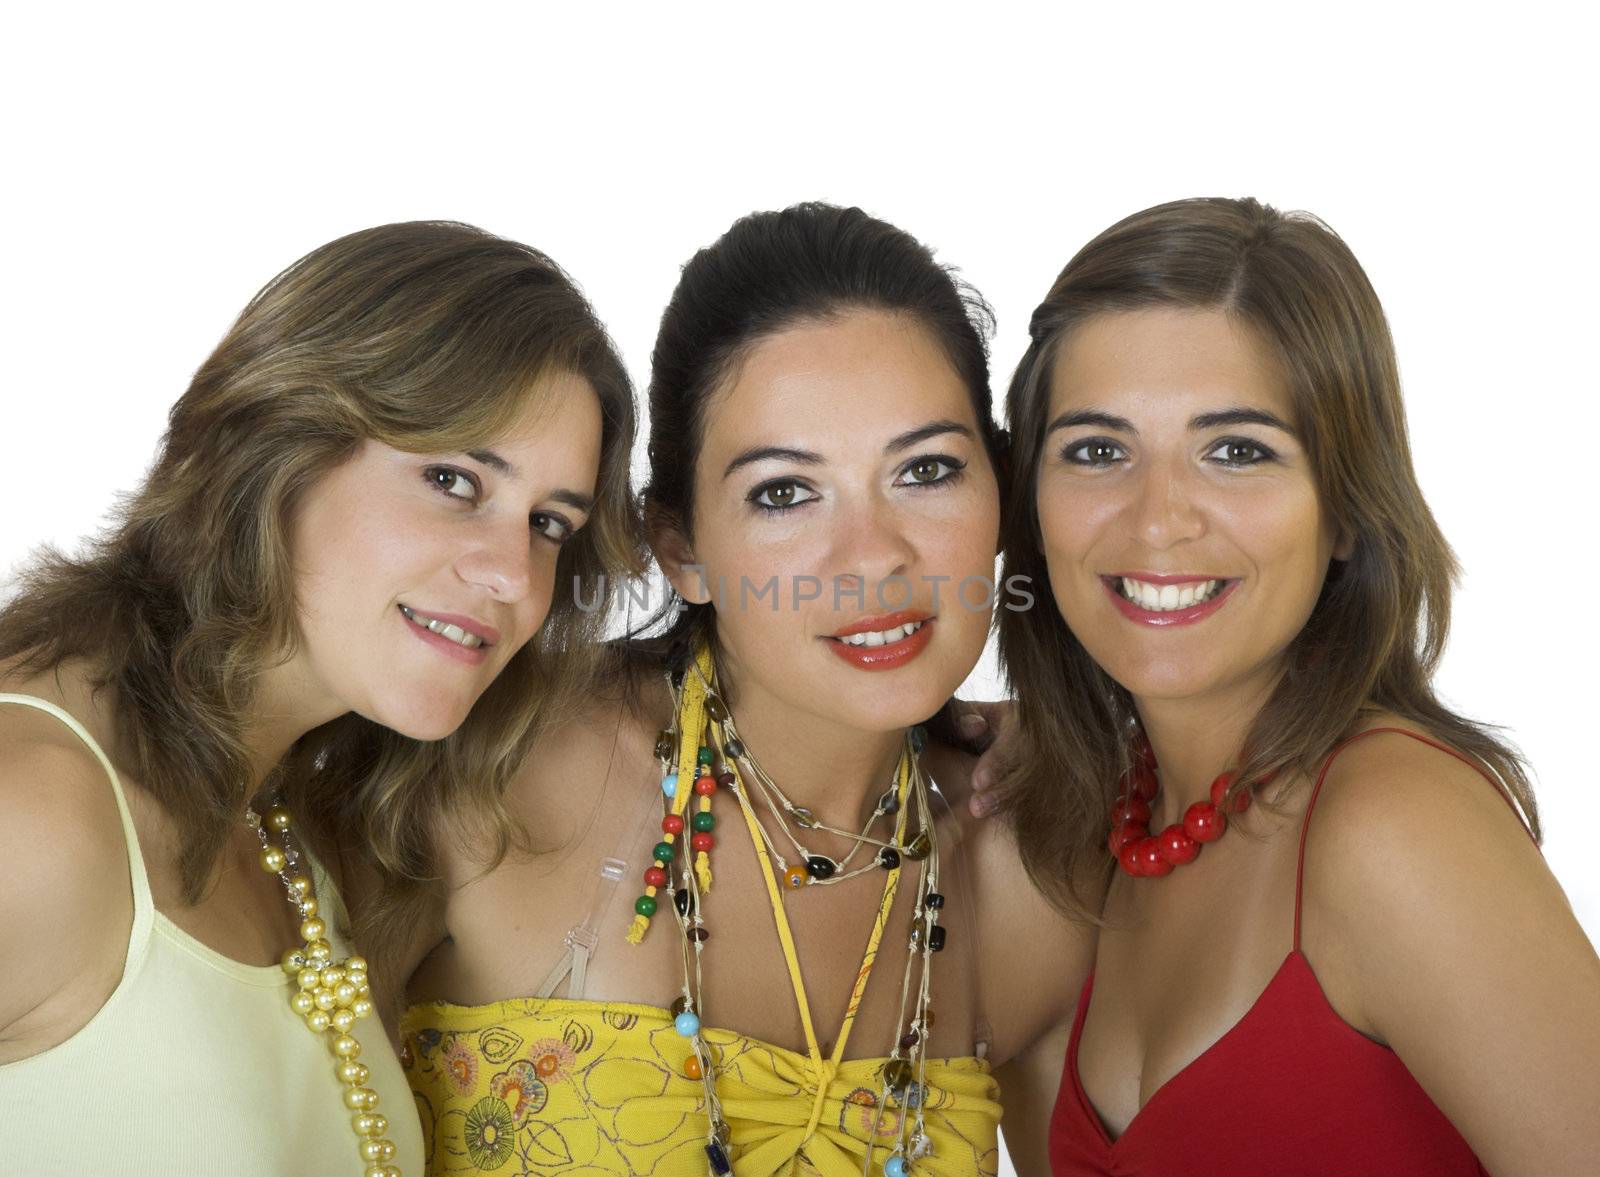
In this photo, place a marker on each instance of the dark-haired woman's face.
(420, 575)
(842, 494)
(1178, 510)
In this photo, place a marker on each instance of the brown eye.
(1096, 451)
(780, 496)
(458, 484)
(930, 470)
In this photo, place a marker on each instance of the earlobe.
(676, 557)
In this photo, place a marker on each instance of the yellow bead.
(356, 964)
(332, 975)
(376, 1171)
(386, 1150)
(341, 1020)
(361, 1007)
(278, 818)
(311, 931)
(302, 1002)
(355, 1098)
(344, 993)
(294, 959)
(380, 1124)
(362, 1123)
(308, 979)
(319, 952)
(318, 1020)
(345, 1047)
(272, 860)
(324, 999)
(371, 1150)
(301, 884)
(308, 907)
(351, 1073)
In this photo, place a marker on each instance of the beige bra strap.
(143, 905)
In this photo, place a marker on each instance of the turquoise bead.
(895, 1167)
(686, 1024)
(669, 785)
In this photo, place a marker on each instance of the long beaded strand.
(330, 995)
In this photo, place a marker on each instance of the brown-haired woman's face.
(1179, 514)
(844, 466)
(418, 576)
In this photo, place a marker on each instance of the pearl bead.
(312, 930)
(324, 999)
(371, 1150)
(361, 1007)
(352, 1073)
(362, 1123)
(278, 818)
(318, 1020)
(345, 1047)
(273, 860)
(308, 978)
(342, 1020)
(301, 884)
(320, 952)
(332, 975)
(294, 959)
(302, 1003)
(356, 964)
(355, 1098)
(380, 1125)
(386, 1150)
(308, 908)
(344, 993)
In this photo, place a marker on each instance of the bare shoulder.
(62, 853)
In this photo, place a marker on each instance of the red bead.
(1142, 783)
(1203, 822)
(1143, 753)
(672, 823)
(1124, 835)
(1126, 857)
(1219, 787)
(705, 785)
(655, 877)
(703, 841)
(726, 779)
(1177, 847)
(1130, 811)
(1147, 857)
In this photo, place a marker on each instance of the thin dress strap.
(143, 903)
(1305, 825)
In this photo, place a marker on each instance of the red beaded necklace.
(1147, 856)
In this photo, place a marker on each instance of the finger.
(971, 725)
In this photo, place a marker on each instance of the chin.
(423, 720)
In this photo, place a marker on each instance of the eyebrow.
(1202, 421)
(901, 442)
(570, 498)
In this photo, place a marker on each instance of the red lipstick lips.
(889, 655)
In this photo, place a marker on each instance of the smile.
(445, 629)
(882, 643)
(882, 637)
(1167, 600)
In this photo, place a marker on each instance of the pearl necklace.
(330, 995)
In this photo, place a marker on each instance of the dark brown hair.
(423, 336)
(771, 271)
(1380, 623)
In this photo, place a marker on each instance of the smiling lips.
(1161, 599)
(882, 643)
(462, 638)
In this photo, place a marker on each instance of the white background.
(163, 164)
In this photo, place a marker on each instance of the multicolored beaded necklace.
(329, 994)
(1147, 856)
(703, 755)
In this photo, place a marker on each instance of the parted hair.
(1377, 630)
(423, 336)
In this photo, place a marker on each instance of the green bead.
(705, 756)
(664, 852)
(703, 823)
(644, 905)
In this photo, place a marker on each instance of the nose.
(1163, 511)
(499, 559)
(874, 544)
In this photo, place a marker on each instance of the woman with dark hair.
(322, 602)
(678, 984)
(1212, 473)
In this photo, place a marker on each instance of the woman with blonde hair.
(312, 627)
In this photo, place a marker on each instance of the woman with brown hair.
(1251, 594)
(323, 602)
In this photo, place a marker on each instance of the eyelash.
(1263, 453)
(957, 469)
(432, 476)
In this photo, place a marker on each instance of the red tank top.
(1320, 1099)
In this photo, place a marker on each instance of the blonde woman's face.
(420, 575)
(843, 472)
(1178, 510)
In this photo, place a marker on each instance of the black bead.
(735, 748)
(719, 1159)
(819, 866)
(682, 900)
(919, 738)
(715, 708)
(936, 939)
(888, 859)
(889, 803)
(934, 900)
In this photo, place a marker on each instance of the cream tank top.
(195, 1065)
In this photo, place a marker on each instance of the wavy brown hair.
(1377, 630)
(426, 336)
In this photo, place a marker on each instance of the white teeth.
(882, 636)
(1167, 598)
(444, 629)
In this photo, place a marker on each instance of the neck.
(1196, 739)
(840, 784)
(284, 709)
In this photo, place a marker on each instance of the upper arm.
(1461, 952)
(64, 888)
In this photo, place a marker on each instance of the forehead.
(1187, 360)
(861, 373)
